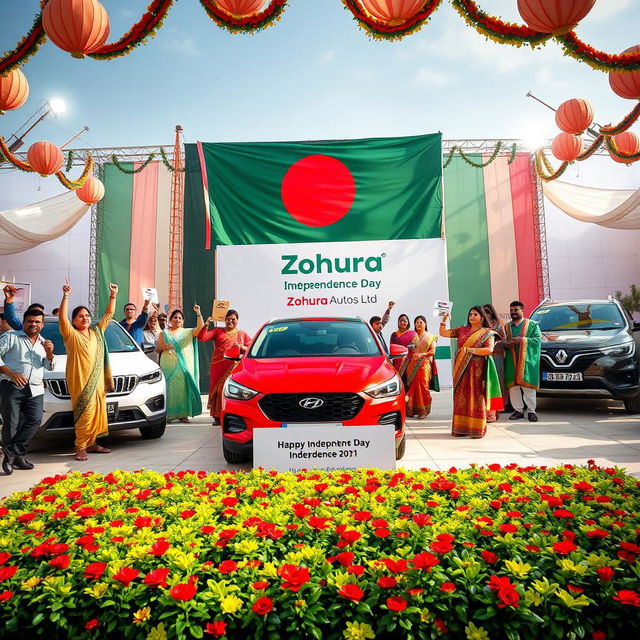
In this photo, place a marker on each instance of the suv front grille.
(122, 386)
(575, 361)
(336, 407)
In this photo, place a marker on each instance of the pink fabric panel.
(205, 188)
(143, 231)
(524, 220)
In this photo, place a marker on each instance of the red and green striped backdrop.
(134, 232)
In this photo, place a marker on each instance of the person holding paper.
(223, 339)
(476, 388)
(420, 370)
(88, 372)
(135, 326)
(178, 349)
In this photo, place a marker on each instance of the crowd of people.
(495, 364)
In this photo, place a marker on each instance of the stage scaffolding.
(103, 155)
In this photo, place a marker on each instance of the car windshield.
(311, 338)
(579, 317)
(118, 340)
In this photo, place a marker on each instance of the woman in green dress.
(178, 349)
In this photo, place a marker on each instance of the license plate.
(112, 411)
(311, 424)
(562, 377)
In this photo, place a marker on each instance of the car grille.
(575, 361)
(122, 385)
(336, 407)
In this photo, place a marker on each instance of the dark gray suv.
(590, 349)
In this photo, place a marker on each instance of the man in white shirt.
(24, 355)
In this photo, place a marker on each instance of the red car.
(311, 370)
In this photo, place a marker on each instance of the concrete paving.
(569, 431)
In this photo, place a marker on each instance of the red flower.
(563, 513)
(496, 583)
(207, 529)
(346, 558)
(7, 572)
(315, 522)
(396, 566)
(382, 533)
(489, 557)
(227, 566)
(183, 591)
(4, 557)
(60, 562)
(396, 603)
(447, 587)
(95, 570)
(157, 577)
(356, 569)
(92, 624)
(217, 628)
(187, 513)
(508, 597)
(351, 535)
(262, 606)
(440, 625)
(508, 528)
(605, 573)
(126, 575)
(227, 534)
(159, 547)
(598, 635)
(362, 516)
(230, 501)
(532, 547)
(440, 547)
(565, 547)
(6, 596)
(425, 560)
(351, 592)
(387, 582)
(575, 589)
(415, 591)
(140, 522)
(626, 596)
(260, 584)
(294, 576)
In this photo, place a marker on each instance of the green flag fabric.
(325, 191)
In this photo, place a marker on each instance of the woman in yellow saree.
(476, 388)
(418, 367)
(88, 373)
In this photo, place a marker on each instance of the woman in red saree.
(223, 339)
(475, 382)
(403, 336)
(418, 367)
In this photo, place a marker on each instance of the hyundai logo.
(311, 403)
(561, 356)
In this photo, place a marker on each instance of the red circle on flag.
(318, 190)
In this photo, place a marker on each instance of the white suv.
(139, 398)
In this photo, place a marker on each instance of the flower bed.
(487, 552)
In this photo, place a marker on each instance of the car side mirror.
(397, 351)
(636, 326)
(147, 347)
(233, 353)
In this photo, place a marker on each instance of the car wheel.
(401, 447)
(232, 457)
(632, 405)
(153, 431)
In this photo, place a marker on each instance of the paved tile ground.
(569, 431)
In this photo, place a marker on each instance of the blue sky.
(314, 75)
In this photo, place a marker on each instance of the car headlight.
(154, 376)
(386, 389)
(233, 389)
(624, 349)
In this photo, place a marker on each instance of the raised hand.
(196, 308)
(113, 289)
(391, 305)
(445, 317)
(9, 293)
(66, 287)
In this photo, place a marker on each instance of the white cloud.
(182, 44)
(327, 57)
(429, 76)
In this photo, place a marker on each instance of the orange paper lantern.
(626, 83)
(626, 142)
(574, 116)
(393, 12)
(76, 26)
(45, 158)
(91, 191)
(554, 16)
(241, 7)
(14, 90)
(566, 147)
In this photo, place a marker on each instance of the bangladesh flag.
(325, 191)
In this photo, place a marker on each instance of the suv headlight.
(154, 376)
(233, 389)
(386, 389)
(624, 349)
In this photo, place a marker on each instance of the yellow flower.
(181, 560)
(97, 590)
(31, 583)
(358, 631)
(544, 587)
(476, 633)
(300, 603)
(221, 588)
(157, 633)
(141, 615)
(520, 569)
(425, 616)
(246, 547)
(571, 602)
(230, 604)
(533, 598)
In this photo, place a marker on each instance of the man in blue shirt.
(24, 355)
(10, 314)
(135, 326)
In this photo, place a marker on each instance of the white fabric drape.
(27, 227)
(612, 208)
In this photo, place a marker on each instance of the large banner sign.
(353, 279)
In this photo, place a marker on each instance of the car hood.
(122, 364)
(582, 339)
(318, 375)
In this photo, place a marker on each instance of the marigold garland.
(69, 161)
(490, 551)
(116, 162)
(25, 48)
(166, 162)
(479, 165)
(613, 149)
(14, 160)
(245, 24)
(549, 174)
(76, 184)
(599, 60)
